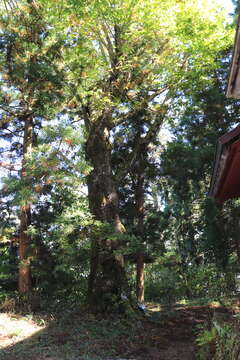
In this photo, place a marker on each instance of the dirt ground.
(164, 334)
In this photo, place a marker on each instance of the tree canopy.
(86, 87)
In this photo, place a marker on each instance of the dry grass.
(77, 335)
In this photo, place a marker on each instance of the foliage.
(205, 341)
(220, 342)
(169, 280)
(8, 270)
(90, 70)
(202, 233)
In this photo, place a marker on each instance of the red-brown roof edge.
(225, 139)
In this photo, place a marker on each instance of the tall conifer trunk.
(140, 278)
(139, 196)
(24, 280)
(107, 279)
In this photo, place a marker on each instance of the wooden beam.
(221, 157)
(233, 87)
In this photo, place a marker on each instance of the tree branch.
(143, 142)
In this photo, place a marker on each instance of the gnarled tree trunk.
(107, 279)
(139, 197)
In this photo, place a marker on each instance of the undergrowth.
(221, 341)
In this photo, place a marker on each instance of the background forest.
(109, 116)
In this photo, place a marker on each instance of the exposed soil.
(168, 334)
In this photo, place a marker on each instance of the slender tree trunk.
(24, 280)
(140, 278)
(237, 246)
(107, 279)
(139, 196)
(236, 234)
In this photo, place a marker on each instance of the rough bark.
(237, 246)
(139, 196)
(236, 224)
(107, 279)
(24, 280)
(140, 278)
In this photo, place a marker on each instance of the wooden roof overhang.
(233, 87)
(225, 182)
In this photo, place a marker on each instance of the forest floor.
(163, 334)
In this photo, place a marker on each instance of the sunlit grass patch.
(153, 307)
(15, 328)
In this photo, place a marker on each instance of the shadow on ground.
(161, 335)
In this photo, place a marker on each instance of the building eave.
(223, 160)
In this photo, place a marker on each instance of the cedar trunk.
(140, 278)
(139, 196)
(24, 279)
(107, 279)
